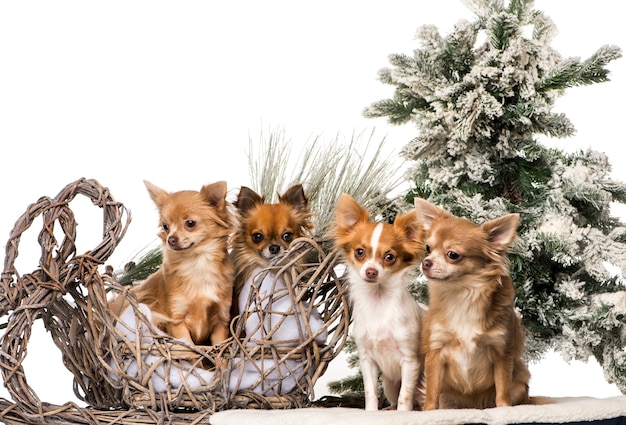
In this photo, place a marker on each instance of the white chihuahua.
(386, 318)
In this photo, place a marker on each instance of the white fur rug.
(559, 410)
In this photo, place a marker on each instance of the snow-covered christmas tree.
(480, 97)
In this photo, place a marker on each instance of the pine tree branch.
(572, 72)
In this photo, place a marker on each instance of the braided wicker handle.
(60, 269)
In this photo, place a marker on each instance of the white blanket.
(561, 410)
(281, 327)
(271, 298)
(175, 376)
(261, 376)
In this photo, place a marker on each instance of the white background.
(122, 91)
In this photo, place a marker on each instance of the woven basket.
(126, 371)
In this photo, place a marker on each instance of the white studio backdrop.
(172, 92)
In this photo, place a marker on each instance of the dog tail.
(540, 400)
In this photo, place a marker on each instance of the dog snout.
(172, 241)
(426, 264)
(371, 273)
(274, 249)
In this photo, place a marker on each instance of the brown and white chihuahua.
(472, 336)
(191, 293)
(386, 318)
(266, 230)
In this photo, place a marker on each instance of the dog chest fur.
(466, 348)
(386, 328)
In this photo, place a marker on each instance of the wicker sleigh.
(133, 373)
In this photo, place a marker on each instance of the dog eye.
(190, 224)
(165, 226)
(359, 253)
(257, 237)
(287, 236)
(427, 249)
(390, 258)
(453, 255)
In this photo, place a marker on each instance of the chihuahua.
(386, 318)
(266, 230)
(472, 336)
(190, 295)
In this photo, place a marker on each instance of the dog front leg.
(179, 330)
(503, 376)
(219, 334)
(410, 373)
(369, 369)
(432, 372)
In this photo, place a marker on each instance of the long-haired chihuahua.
(472, 336)
(386, 318)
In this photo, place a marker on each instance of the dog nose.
(274, 249)
(426, 264)
(172, 241)
(371, 273)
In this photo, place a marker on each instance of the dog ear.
(215, 194)
(349, 212)
(247, 199)
(295, 197)
(427, 212)
(502, 231)
(158, 195)
(410, 226)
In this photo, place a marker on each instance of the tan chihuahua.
(190, 295)
(472, 337)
